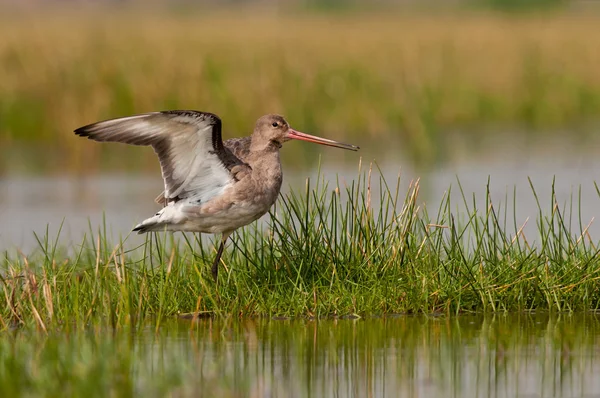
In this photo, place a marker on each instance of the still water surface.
(526, 355)
(468, 356)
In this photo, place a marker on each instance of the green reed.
(363, 248)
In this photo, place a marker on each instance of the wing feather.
(188, 144)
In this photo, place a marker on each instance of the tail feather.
(151, 224)
(166, 217)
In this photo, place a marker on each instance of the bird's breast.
(241, 203)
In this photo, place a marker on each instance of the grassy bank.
(410, 77)
(329, 251)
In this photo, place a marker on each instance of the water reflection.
(500, 356)
(518, 355)
(468, 356)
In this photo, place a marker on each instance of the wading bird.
(211, 186)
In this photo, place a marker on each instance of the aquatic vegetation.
(361, 248)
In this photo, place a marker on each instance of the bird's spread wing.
(188, 145)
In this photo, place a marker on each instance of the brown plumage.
(211, 186)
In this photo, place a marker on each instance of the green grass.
(327, 251)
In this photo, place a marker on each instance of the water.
(525, 355)
(517, 355)
(29, 205)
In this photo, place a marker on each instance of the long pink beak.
(296, 135)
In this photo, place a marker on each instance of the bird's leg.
(215, 266)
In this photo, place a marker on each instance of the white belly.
(239, 205)
(227, 220)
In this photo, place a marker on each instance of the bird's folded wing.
(188, 145)
(239, 147)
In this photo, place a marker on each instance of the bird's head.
(274, 129)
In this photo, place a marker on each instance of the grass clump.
(360, 249)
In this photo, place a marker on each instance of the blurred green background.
(423, 79)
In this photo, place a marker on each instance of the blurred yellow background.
(426, 80)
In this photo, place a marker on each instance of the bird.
(210, 185)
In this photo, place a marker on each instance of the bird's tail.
(161, 221)
(145, 226)
(149, 225)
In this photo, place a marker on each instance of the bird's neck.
(263, 158)
(259, 145)
(265, 164)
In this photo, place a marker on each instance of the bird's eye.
(275, 124)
